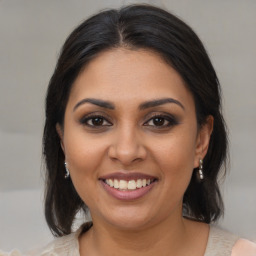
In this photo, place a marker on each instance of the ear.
(203, 140)
(60, 133)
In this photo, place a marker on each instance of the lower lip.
(127, 195)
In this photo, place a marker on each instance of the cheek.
(83, 152)
(84, 157)
(84, 162)
(178, 150)
(176, 161)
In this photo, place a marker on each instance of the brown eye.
(95, 121)
(161, 121)
(158, 121)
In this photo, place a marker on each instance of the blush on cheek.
(177, 167)
(85, 188)
(84, 156)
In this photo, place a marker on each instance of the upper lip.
(127, 176)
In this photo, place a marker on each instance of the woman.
(134, 134)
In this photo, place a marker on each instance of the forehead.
(124, 75)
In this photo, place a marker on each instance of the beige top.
(220, 243)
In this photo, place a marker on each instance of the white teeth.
(111, 183)
(130, 185)
(116, 184)
(123, 184)
(139, 183)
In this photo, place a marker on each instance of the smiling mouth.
(128, 185)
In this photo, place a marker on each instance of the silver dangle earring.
(67, 171)
(200, 170)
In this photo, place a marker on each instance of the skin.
(130, 139)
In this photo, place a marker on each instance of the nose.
(127, 147)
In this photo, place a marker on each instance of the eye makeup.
(156, 120)
(95, 120)
(159, 121)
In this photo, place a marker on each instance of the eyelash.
(166, 118)
(86, 119)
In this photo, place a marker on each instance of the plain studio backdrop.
(31, 34)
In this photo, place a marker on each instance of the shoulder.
(244, 247)
(222, 242)
(66, 245)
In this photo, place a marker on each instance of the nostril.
(127, 154)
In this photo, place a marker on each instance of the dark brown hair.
(134, 27)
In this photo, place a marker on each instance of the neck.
(164, 238)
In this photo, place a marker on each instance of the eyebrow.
(158, 102)
(100, 103)
(144, 105)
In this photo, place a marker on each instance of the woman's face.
(131, 139)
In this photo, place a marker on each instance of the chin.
(130, 219)
(130, 224)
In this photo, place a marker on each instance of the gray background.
(31, 34)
